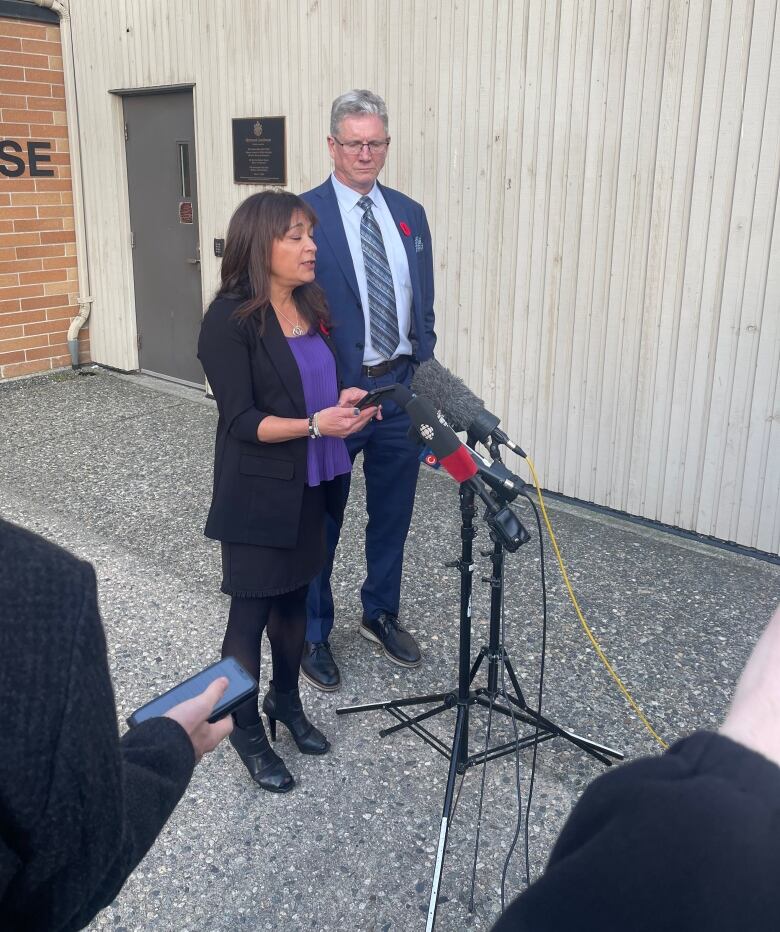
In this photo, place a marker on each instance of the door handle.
(193, 261)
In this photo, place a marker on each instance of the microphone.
(459, 404)
(457, 460)
(398, 393)
(441, 439)
(496, 475)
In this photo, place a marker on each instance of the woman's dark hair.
(246, 265)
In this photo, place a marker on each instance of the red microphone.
(457, 460)
(441, 439)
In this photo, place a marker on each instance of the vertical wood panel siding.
(601, 178)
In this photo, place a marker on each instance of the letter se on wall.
(12, 164)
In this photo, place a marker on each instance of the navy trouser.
(390, 466)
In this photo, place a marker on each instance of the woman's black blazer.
(258, 487)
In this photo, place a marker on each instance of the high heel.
(287, 708)
(265, 766)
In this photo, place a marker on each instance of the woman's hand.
(349, 398)
(341, 420)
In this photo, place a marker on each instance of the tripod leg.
(477, 665)
(407, 722)
(445, 817)
(591, 747)
(393, 703)
(510, 670)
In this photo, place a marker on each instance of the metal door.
(160, 149)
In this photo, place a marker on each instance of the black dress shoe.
(265, 766)
(318, 666)
(398, 645)
(287, 708)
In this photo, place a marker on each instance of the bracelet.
(314, 430)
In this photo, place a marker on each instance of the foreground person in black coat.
(78, 807)
(687, 841)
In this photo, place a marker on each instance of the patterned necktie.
(379, 280)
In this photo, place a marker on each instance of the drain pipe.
(60, 7)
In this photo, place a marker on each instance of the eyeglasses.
(355, 148)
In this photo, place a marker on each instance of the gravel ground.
(118, 470)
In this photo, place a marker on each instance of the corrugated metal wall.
(601, 178)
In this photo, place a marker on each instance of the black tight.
(284, 617)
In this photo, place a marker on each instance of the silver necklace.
(296, 328)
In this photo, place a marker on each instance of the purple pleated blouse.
(327, 457)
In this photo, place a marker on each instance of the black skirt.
(254, 572)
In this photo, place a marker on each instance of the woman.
(278, 457)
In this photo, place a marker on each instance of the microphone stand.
(496, 655)
(505, 536)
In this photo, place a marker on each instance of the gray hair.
(357, 103)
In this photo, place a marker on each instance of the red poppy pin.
(405, 229)
(324, 330)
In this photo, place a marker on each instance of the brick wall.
(38, 278)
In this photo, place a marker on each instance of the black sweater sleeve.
(86, 806)
(124, 791)
(689, 840)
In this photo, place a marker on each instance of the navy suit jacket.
(336, 275)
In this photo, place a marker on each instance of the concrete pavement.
(118, 470)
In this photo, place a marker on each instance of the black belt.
(382, 368)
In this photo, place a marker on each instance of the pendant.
(296, 331)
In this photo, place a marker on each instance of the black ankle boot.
(287, 708)
(263, 763)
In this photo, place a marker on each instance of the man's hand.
(754, 716)
(192, 715)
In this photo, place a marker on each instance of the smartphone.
(241, 686)
(374, 397)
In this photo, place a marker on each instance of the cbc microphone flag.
(429, 458)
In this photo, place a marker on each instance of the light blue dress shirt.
(351, 215)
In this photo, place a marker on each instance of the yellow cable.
(584, 623)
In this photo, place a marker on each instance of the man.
(375, 263)
(79, 807)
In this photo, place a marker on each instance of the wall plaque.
(259, 151)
